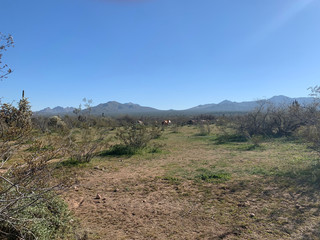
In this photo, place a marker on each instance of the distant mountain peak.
(113, 108)
(226, 102)
(55, 111)
(280, 97)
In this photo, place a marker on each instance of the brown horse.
(166, 122)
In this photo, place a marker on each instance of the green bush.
(135, 137)
(48, 218)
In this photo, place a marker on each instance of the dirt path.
(133, 204)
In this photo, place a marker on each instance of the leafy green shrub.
(135, 137)
(48, 219)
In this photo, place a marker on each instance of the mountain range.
(114, 108)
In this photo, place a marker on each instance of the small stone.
(252, 215)
(116, 190)
(98, 196)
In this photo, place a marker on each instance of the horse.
(166, 122)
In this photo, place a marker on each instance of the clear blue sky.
(160, 53)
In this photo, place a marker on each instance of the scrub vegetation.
(248, 176)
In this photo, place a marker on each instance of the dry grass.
(270, 192)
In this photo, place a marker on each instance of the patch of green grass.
(309, 174)
(229, 138)
(210, 176)
(263, 171)
(154, 150)
(125, 150)
(72, 163)
(249, 147)
(172, 180)
(120, 150)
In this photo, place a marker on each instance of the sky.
(166, 54)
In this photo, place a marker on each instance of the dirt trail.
(133, 204)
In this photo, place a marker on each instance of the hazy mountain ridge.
(115, 108)
(228, 106)
(55, 111)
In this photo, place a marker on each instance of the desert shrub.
(27, 187)
(57, 125)
(155, 132)
(91, 142)
(134, 138)
(40, 123)
(272, 121)
(311, 134)
(204, 129)
(25, 194)
(48, 219)
(256, 122)
(15, 122)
